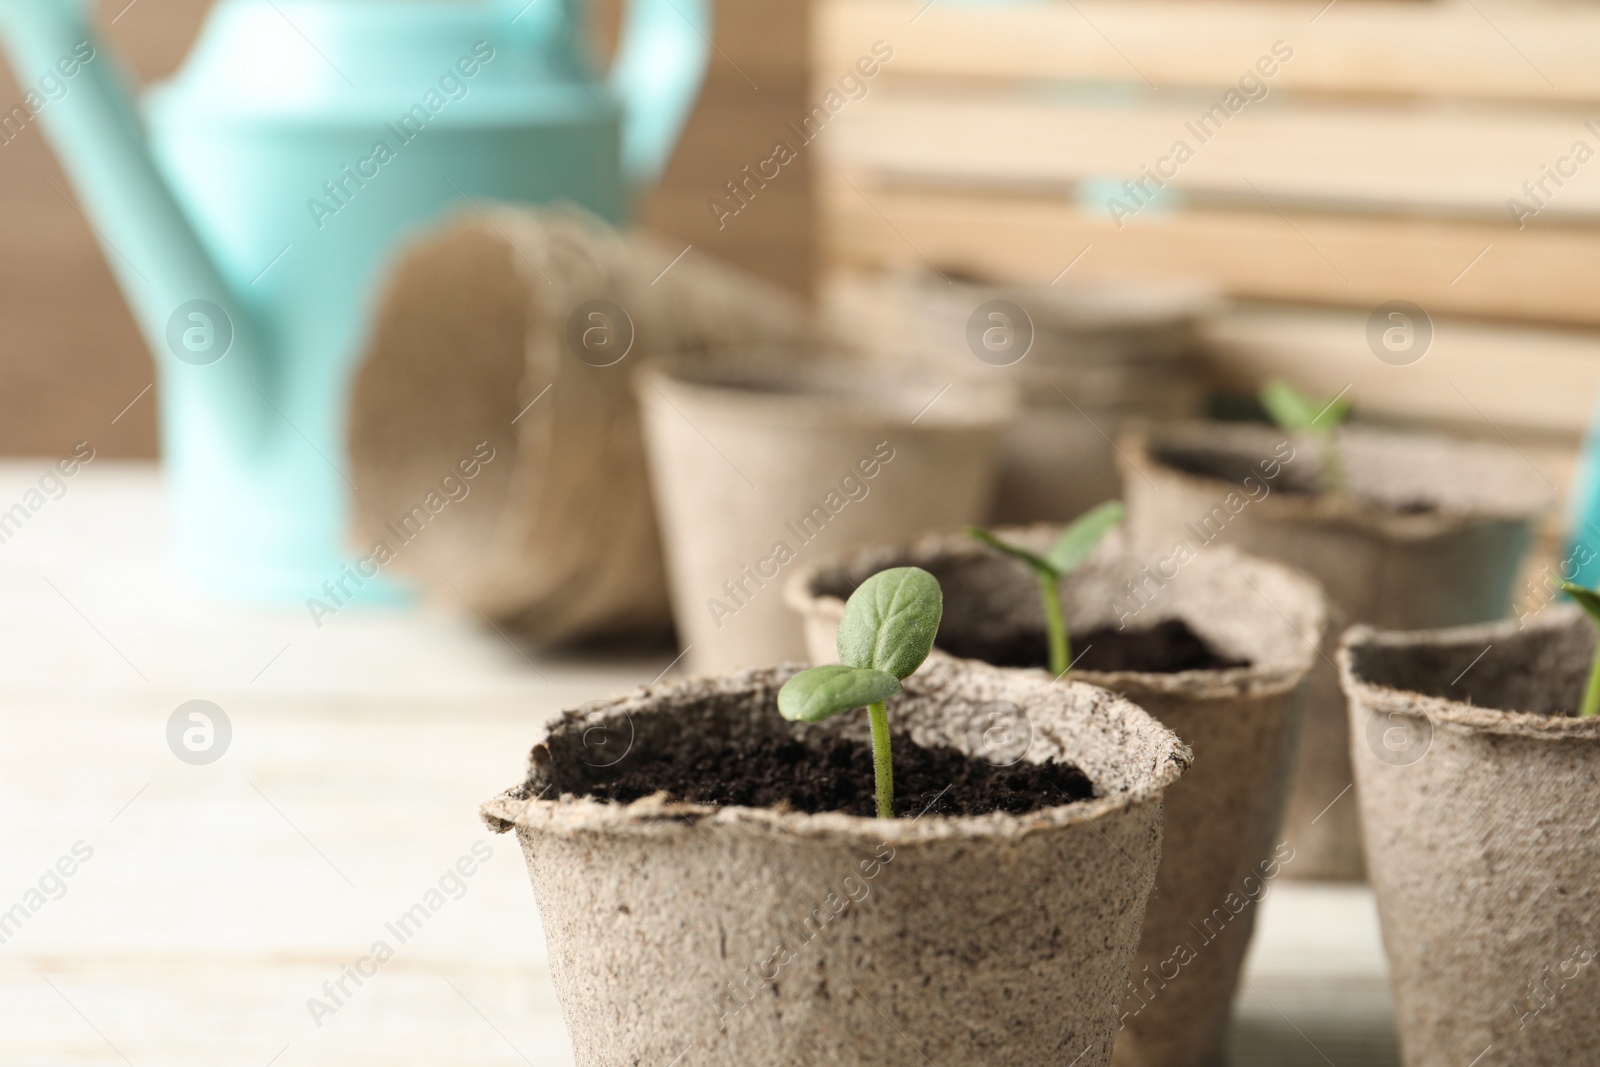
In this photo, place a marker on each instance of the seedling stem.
(1074, 545)
(1591, 695)
(1055, 626)
(886, 632)
(1296, 412)
(1589, 601)
(882, 758)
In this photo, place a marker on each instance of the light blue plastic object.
(248, 210)
(1582, 561)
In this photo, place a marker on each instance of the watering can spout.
(201, 335)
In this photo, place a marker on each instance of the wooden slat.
(1462, 380)
(1539, 273)
(1464, 159)
(756, 82)
(1460, 384)
(1482, 49)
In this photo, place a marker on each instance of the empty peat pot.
(1481, 805)
(756, 467)
(1087, 358)
(1431, 532)
(735, 935)
(1219, 652)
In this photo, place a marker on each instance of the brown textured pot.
(1481, 836)
(685, 933)
(754, 470)
(1221, 821)
(473, 344)
(1432, 533)
(1098, 357)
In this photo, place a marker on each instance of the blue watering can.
(247, 212)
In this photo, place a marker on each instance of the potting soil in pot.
(836, 774)
(1165, 648)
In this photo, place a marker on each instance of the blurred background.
(1377, 166)
(1234, 191)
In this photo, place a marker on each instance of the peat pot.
(734, 935)
(1431, 532)
(1088, 359)
(1220, 654)
(1479, 799)
(493, 403)
(754, 469)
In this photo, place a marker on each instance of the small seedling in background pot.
(887, 631)
(1589, 601)
(1065, 556)
(1296, 412)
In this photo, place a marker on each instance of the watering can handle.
(661, 60)
(160, 262)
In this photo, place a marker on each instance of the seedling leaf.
(887, 631)
(1038, 563)
(823, 692)
(1082, 535)
(1587, 599)
(890, 621)
(1288, 406)
(1334, 412)
(1293, 410)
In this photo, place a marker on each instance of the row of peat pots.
(1074, 872)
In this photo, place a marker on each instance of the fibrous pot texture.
(751, 935)
(1431, 532)
(755, 469)
(1221, 851)
(1479, 799)
(494, 396)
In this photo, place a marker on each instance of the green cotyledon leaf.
(823, 692)
(1081, 536)
(1294, 410)
(890, 621)
(1587, 599)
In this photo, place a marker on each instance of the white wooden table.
(220, 898)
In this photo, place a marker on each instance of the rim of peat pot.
(1266, 673)
(1096, 307)
(567, 812)
(1405, 485)
(1363, 648)
(1480, 833)
(801, 387)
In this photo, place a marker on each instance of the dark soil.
(772, 772)
(1166, 648)
(1242, 470)
(1231, 465)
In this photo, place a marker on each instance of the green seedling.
(1589, 601)
(1296, 412)
(1065, 556)
(887, 631)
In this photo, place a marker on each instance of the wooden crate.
(1374, 163)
